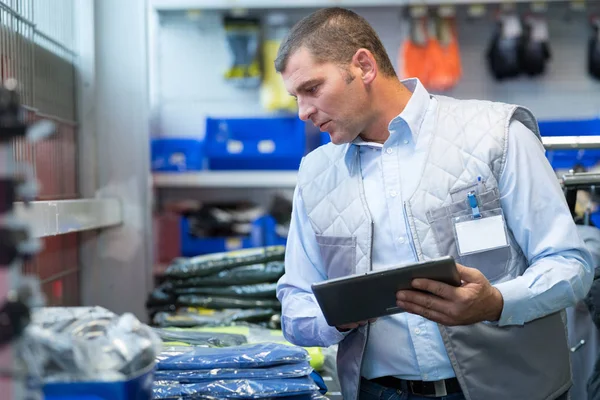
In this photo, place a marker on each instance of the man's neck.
(389, 100)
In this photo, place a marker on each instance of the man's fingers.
(354, 325)
(440, 289)
(426, 313)
(425, 300)
(347, 327)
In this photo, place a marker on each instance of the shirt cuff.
(329, 334)
(514, 292)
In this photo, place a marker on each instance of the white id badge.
(474, 235)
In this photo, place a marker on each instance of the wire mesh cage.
(37, 49)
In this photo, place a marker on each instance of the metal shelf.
(51, 218)
(287, 179)
(571, 142)
(226, 179)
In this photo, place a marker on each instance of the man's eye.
(313, 89)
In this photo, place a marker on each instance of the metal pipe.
(581, 180)
(571, 142)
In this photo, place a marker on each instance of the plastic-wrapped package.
(210, 264)
(161, 296)
(237, 388)
(244, 275)
(311, 396)
(258, 291)
(79, 344)
(257, 334)
(246, 356)
(214, 318)
(219, 302)
(213, 339)
(279, 371)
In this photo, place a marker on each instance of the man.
(404, 170)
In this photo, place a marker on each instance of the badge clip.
(474, 205)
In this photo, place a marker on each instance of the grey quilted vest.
(529, 362)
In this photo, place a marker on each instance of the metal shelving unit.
(571, 142)
(287, 179)
(51, 218)
(226, 179)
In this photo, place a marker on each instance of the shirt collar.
(414, 111)
(412, 116)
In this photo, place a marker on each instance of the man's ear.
(363, 59)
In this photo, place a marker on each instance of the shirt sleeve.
(302, 320)
(560, 268)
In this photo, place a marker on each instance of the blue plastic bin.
(566, 159)
(177, 155)
(138, 388)
(194, 246)
(255, 143)
(264, 229)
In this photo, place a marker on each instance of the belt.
(422, 388)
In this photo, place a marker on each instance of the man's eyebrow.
(308, 83)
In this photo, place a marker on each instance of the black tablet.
(373, 294)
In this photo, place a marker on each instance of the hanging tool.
(243, 37)
(503, 52)
(16, 241)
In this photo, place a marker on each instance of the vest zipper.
(368, 327)
(410, 232)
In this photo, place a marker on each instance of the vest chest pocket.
(492, 263)
(338, 254)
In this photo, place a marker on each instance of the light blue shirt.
(406, 345)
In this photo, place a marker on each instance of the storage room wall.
(192, 56)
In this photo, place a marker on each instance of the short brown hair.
(334, 35)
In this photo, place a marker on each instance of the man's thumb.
(469, 274)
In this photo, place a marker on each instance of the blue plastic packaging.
(297, 370)
(258, 355)
(237, 388)
(276, 143)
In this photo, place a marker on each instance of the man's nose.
(305, 110)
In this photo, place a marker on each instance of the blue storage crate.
(566, 159)
(138, 388)
(177, 155)
(264, 231)
(194, 246)
(255, 143)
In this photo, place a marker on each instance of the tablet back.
(372, 295)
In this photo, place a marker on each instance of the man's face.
(332, 97)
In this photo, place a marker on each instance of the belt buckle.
(440, 388)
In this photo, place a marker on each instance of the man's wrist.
(497, 305)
